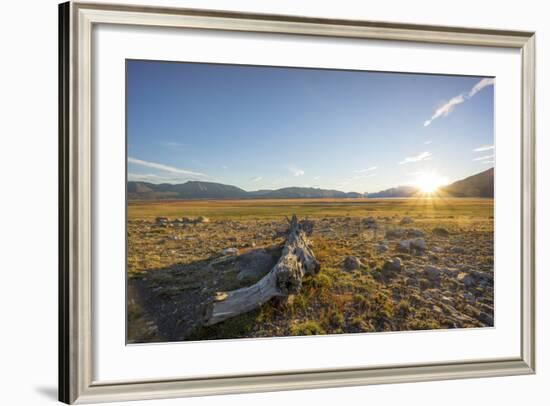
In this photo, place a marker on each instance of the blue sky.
(267, 128)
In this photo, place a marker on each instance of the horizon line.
(301, 187)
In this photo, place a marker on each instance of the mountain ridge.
(478, 185)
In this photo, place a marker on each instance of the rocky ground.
(378, 273)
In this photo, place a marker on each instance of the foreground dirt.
(382, 269)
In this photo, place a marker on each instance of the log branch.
(285, 278)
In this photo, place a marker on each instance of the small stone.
(414, 232)
(457, 250)
(466, 279)
(394, 265)
(403, 246)
(469, 297)
(450, 272)
(447, 300)
(230, 251)
(440, 232)
(432, 272)
(486, 319)
(351, 263)
(395, 233)
(370, 222)
(381, 247)
(418, 244)
(406, 220)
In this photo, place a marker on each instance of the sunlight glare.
(429, 182)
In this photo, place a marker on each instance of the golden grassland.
(256, 209)
(171, 273)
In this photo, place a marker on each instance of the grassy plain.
(174, 267)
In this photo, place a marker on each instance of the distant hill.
(211, 190)
(480, 185)
(305, 193)
(400, 191)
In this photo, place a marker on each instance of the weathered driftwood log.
(285, 278)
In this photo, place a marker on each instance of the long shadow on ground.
(169, 304)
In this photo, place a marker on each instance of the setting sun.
(429, 182)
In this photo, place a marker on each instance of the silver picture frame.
(76, 21)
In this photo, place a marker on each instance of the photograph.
(267, 201)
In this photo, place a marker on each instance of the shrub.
(336, 319)
(307, 328)
(322, 281)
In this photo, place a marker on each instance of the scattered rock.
(230, 251)
(418, 244)
(394, 265)
(457, 250)
(481, 276)
(202, 219)
(405, 221)
(395, 233)
(351, 263)
(370, 222)
(161, 220)
(432, 273)
(440, 232)
(486, 319)
(307, 226)
(403, 246)
(466, 279)
(414, 232)
(381, 247)
(447, 300)
(451, 272)
(437, 250)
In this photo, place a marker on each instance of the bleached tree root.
(285, 278)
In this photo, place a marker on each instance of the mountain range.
(479, 185)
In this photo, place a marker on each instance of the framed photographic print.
(265, 202)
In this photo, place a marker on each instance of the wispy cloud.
(484, 158)
(427, 142)
(256, 179)
(162, 167)
(372, 168)
(480, 85)
(484, 148)
(296, 171)
(153, 178)
(424, 156)
(446, 108)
